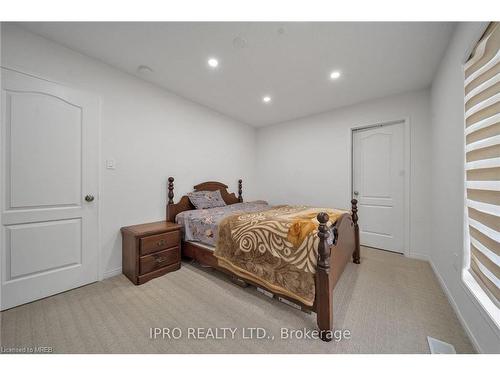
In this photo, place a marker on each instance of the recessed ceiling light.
(335, 74)
(213, 63)
(266, 99)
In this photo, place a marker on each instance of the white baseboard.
(453, 304)
(110, 273)
(419, 256)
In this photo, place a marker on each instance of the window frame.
(479, 296)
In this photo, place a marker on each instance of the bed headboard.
(184, 203)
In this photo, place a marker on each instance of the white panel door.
(379, 185)
(50, 165)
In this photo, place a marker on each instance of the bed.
(296, 253)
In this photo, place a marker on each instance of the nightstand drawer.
(141, 279)
(158, 260)
(151, 244)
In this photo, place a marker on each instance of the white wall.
(306, 161)
(151, 134)
(447, 103)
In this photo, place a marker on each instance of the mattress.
(201, 226)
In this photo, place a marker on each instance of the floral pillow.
(206, 199)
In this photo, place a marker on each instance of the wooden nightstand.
(150, 250)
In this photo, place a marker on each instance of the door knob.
(89, 198)
(356, 192)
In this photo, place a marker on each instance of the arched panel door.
(50, 188)
(379, 185)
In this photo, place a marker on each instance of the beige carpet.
(389, 303)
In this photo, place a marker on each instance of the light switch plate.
(110, 164)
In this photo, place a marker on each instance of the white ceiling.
(291, 62)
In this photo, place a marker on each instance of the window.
(482, 170)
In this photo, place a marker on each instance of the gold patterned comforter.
(276, 248)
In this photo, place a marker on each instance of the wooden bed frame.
(332, 259)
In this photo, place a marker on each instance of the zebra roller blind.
(482, 160)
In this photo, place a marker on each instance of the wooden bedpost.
(324, 293)
(240, 190)
(354, 215)
(170, 190)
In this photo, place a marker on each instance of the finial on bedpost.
(170, 190)
(354, 209)
(240, 190)
(324, 298)
(323, 247)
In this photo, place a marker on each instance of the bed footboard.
(332, 260)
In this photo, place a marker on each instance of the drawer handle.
(160, 243)
(159, 260)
